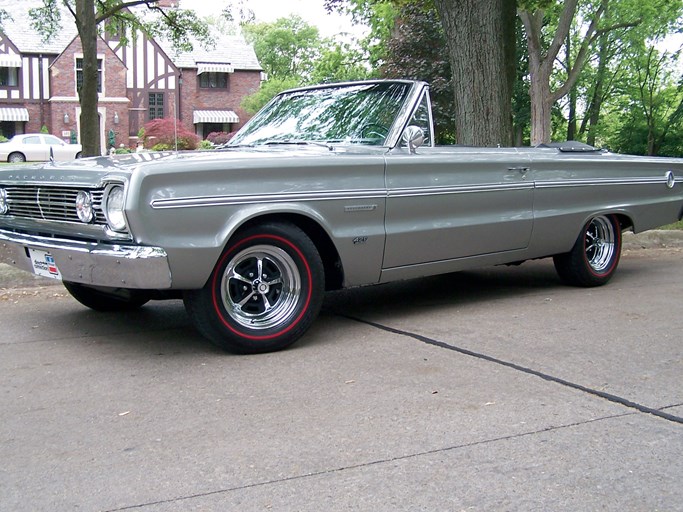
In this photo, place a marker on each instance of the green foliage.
(647, 114)
(415, 51)
(43, 129)
(379, 16)
(339, 62)
(204, 145)
(4, 16)
(254, 102)
(286, 48)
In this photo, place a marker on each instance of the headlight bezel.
(114, 207)
(84, 206)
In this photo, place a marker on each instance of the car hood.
(93, 171)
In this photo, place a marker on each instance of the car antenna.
(175, 126)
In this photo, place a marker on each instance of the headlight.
(4, 207)
(84, 206)
(114, 209)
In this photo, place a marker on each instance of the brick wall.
(113, 102)
(240, 84)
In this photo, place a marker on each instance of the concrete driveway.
(492, 390)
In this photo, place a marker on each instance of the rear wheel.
(595, 255)
(105, 299)
(264, 293)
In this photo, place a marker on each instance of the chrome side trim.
(346, 195)
(569, 183)
(468, 189)
(194, 202)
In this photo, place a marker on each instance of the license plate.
(44, 264)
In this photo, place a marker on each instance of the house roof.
(229, 49)
(27, 40)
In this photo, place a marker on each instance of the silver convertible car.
(327, 187)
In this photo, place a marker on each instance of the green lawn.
(677, 225)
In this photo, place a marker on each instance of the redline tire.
(595, 255)
(264, 292)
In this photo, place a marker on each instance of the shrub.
(162, 132)
(219, 138)
(205, 144)
(162, 146)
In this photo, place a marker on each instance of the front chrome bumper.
(97, 264)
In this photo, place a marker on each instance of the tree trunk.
(481, 46)
(90, 123)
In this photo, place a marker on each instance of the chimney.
(167, 4)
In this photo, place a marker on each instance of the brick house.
(141, 80)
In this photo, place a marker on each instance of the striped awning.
(13, 114)
(213, 67)
(10, 60)
(215, 116)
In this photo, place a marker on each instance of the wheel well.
(334, 272)
(624, 221)
(16, 153)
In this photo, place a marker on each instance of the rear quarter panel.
(570, 188)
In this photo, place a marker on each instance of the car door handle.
(521, 170)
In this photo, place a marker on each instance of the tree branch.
(123, 5)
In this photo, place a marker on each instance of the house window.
(79, 74)
(9, 77)
(156, 106)
(211, 80)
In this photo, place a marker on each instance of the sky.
(311, 11)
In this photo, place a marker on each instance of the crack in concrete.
(530, 371)
(368, 464)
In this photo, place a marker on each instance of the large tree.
(480, 44)
(480, 36)
(179, 26)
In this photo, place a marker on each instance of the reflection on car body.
(327, 187)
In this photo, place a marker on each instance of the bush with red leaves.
(160, 134)
(219, 138)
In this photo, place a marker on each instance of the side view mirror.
(413, 137)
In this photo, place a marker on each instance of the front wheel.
(595, 255)
(106, 299)
(264, 292)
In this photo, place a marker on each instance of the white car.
(35, 147)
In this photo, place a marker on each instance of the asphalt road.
(491, 390)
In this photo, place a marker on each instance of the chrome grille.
(51, 203)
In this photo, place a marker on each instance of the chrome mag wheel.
(261, 287)
(599, 244)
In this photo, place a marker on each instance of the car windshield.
(357, 114)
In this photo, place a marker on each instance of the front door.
(451, 203)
